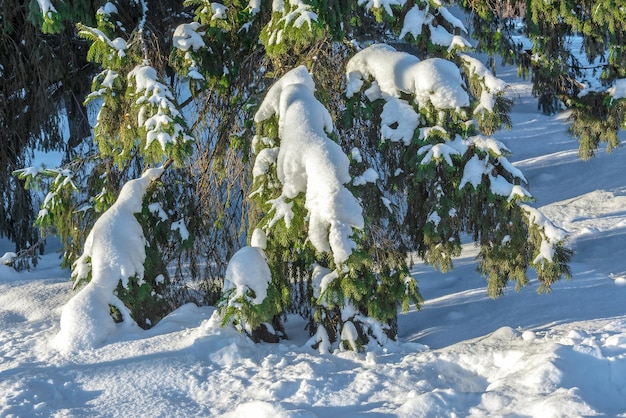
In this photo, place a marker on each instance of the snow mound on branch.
(114, 251)
(310, 162)
(416, 19)
(248, 270)
(186, 38)
(618, 90)
(492, 85)
(434, 80)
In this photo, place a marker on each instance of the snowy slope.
(556, 355)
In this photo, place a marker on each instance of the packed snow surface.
(463, 355)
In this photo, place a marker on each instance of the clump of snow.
(259, 239)
(551, 236)
(398, 121)
(618, 89)
(297, 15)
(7, 258)
(417, 18)
(264, 160)
(384, 4)
(108, 9)
(118, 44)
(114, 251)
(311, 163)
(181, 228)
(185, 37)
(254, 6)
(414, 20)
(247, 270)
(437, 152)
(218, 10)
(369, 176)
(46, 7)
(435, 80)
(492, 85)
(350, 335)
(6, 271)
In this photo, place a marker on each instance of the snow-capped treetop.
(115, 247)
(155, 99)
(114, 252)
(247, 270)
(309, 162)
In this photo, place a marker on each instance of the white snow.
(463, 354)
(186, 38)
(151, 94)
(218, 10)
(382, 4)
(114, 251)
(436, 81)
(108, 9)
(369, 176)
(46, 7)
(311, 163)
(247, 270)
(618, 89)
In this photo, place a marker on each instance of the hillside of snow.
(464, 355)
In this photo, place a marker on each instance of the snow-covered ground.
(556, 355)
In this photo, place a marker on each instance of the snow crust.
(309, 162)
(114, 251)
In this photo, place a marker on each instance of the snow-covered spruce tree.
(113, 258)
(138, 125)
(428, 173)
(346, 174)
(576, 53)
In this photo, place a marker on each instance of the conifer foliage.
(576, 51)
(342, 138)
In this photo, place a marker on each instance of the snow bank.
(114, 251)
(309, 162)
